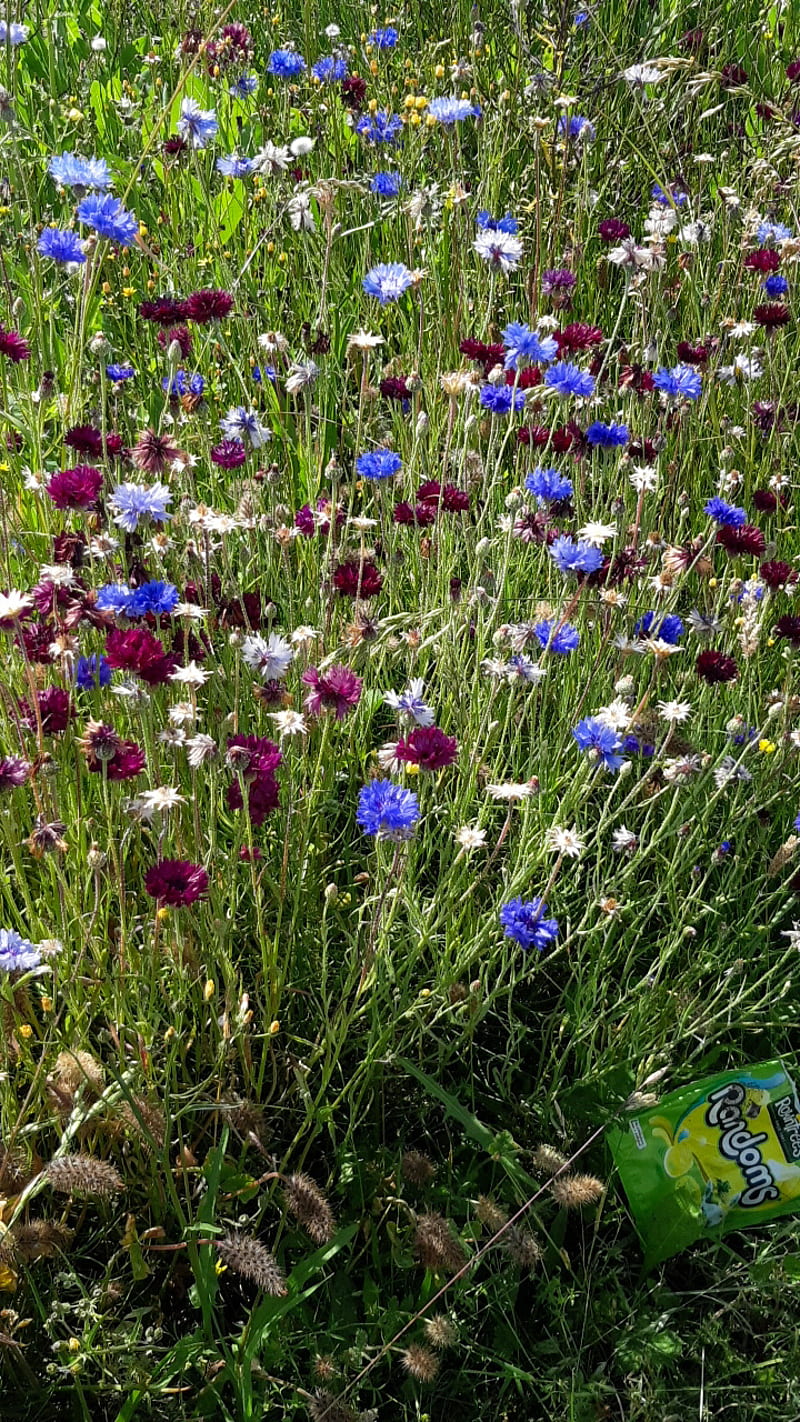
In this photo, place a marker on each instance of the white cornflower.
(60, 574)
(199, 749)
(693, 233)
(273, 342)
(159, 801)
(617, 715)
(470, 837)
(289, 723)
(564, 841)
(499, 249)
(411, 703)
(131, 690)
(302, 636)
(623, 840)
(182, 713)
(643, 478)
(629, 254)
(13, 604)
(637, 75)
(744, 368)
(362, 340)
(270, 656)
(597, 533)
(511, 791)
(193, 675)
(741, 329)
(172, 736)
(682, 767)
(190, 610)
(300, 212)
(675, 712)
(271, 159)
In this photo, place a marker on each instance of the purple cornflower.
(576, 126)
(135, 503)
(13, 772)
(379, 127)
(91, 672)
(599, 741)
(571, 557)
(557, 279)
(527, 923)
(387, 811)
(17, 954)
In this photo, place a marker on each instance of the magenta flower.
(176, 882)
(337, 690)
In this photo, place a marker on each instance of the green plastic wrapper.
(721, 1154)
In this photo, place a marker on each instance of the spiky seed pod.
(416, 1168)
(419, 1362)
(306, 1202)
(523, 1249)
(491, 1215)
(74, 1069)
(325, 1369)
(440, 1331)
(546, 1160)
(145, 1120)
(14, 1171)
(436, 1246)
(83, 1175)
(573, 1191)
(324, 1407)
(246, 1118)
(247, 1256)
(784, 856)
(24, 1243)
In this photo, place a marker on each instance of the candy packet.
(721, 1154)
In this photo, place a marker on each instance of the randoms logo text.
(739, 1144)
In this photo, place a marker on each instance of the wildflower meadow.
(399, 708)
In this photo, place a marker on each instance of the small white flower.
(643, 478)
(182, 713)
(302, 636)
(637, 75)
(511, 791)
(623, 840)
(470, 837)
(617, 715)
(271, 159)
(13, 604)
(676, 712)
(564, 841)
(159, 801)
(60, 574)
(300, 213)
(289, 723)
(301, 147)
(597, 533)
(192, 675)
(199, 749)
(270, 656)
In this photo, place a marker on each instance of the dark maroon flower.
(777, 574)
(793, 71)
(647, 449)
(715, 667)
(427, 747)
(176, 882)
(766, 259)
(263, 794)
(253, 755)
(612, 230)
(765, 501)
(747, 539)
(353, 90)
(37, 639)
(533, 526)
(634, 377)
(453, 500)
(86, 440)
(309, 525)
(733, 76)
(338, 690)
(788, 626)
(525, 379)
(394, 388)
(537, 435)
(354, 579)
(693, 40)
(163, 310)
(764, 414)
(69, 548)
(76, 488)
(139, 651)
(771, 315)
(765, 111)
(13, 346)
(50, 598)
(174, 145)
(245, 611)
(114, 447)
(55, 711)
(229, 454)
(208, 305)
(248, 855)
(569, 437)
(692, 355)
(577, 336)
(422, 514)
(154, 452)
(487, 356)
(13, 772)
(181, 334)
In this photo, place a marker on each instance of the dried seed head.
(784, 856)
(546, 1160)
(247, 1256)
(435, 1245)
(324, 1368)
(83, 1175)
(440, 1331)
(74, 1069)
(306, 1202)
(24, 1243)
(573, 1191)
(246, 1118)
(490, 1214)
(522, 1248)
(419, 1362)
(14, 1170)
(416, 1168)
(145, 1120)
(324, 1407)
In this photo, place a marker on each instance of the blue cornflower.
(387, 810)
(113, 597)
(523, 343)
(234, 167)
(330, 69)
(15, 34)
(607, 436)
(244, 86)
(487, 223)
(196, 124)
(243, 424)
(91, 672)
(285, 64)
(527, 923)
(565, 639)
(386, 185)
(797, 823)
(73, 172)
(571, 557)
(17, 954)
(108, 217)
(775, 285)
(675, 196)
(576, 127)
(773, 232)
(385, 38)
(568, 379)
(727, 515)
(387, 282)
(118, 373)
(581, 18)
(133, 504)
(599, 741)
(679, 383)
(156, 597)
(411, 702)
(548, 486)
(380, 464)
(449, 111)
(269, 371)
(379, 127)
(182, 384)
(500, 399)
(668, 628)
(632, 745)
(62, 245)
